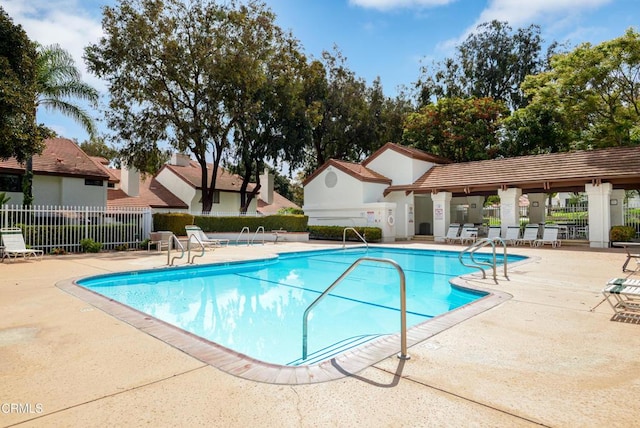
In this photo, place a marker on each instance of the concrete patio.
(544, 357)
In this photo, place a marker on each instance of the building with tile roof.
(401, 189)
(66, 176)
(62, 175)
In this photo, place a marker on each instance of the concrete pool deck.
(543, 357)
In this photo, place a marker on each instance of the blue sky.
(386, 38)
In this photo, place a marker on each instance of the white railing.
(227, 214)
(631, 214)
(62, 228)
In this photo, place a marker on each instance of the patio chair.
(549, 236)
(494, 232)
(452, 232)
(193, 230)
(623, 294)
(14, 245)
(468, 234)
(530, 234)
(512, 235)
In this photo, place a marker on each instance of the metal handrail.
(173, 238)
(471, 249)
(344, 236)
(199, 242)
(260, 228)
(244, 229)
(403, 304)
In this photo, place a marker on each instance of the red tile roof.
(536, 173)
(409, 152)
(279, 202)
(355, 170)
(60, 157)
(152, 194)
(224, 180)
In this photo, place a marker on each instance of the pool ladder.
(246, 229)
(471, 250)
(344, 236)
(403, 304)
(174, 240)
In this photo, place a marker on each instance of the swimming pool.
(256, 307)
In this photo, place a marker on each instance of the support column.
(537, 213)
(475, 209)
(617, 207)
(599, 214)
(441, 214)
(509, 209)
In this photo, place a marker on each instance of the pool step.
(334, 349)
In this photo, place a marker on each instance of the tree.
(99, 148)
(168, 64)
(593, 92)
(58, 80)
(20, 137)
(460, 129)
(337, 112)
(263, 102)
(492, 62)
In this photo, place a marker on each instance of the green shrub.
(176, 223)
(58, 251)
(90, 246)
(622, 234)
(370, 234)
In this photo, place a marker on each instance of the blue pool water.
(256, 307)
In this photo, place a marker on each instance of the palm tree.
(57, 80)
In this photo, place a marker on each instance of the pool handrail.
(260, 228)
(403, 304)
(173, 238)
(344, 236)
(471, 249)
(199, 242)
(244, 229)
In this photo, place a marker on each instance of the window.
(92, 182)
(10, 183)
(216, 196)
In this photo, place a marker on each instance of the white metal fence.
(51, 228)
(632, 215)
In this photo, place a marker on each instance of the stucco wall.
(399, 168)
(332, 188)
(69, 191)
(184, 191)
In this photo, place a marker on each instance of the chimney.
(266, 187)
(180, 159)
(130, 180)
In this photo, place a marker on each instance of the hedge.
(370, 234)
(176, 222)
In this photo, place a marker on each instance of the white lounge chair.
(494, 232)
(549, 236)
(468, 234)
(14, 245)
(530, 234)
(623, 294)
(193, 230)
(452, 232)
(512, 235)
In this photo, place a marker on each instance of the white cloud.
(62, 22)
(398, 4)
(518, 13)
